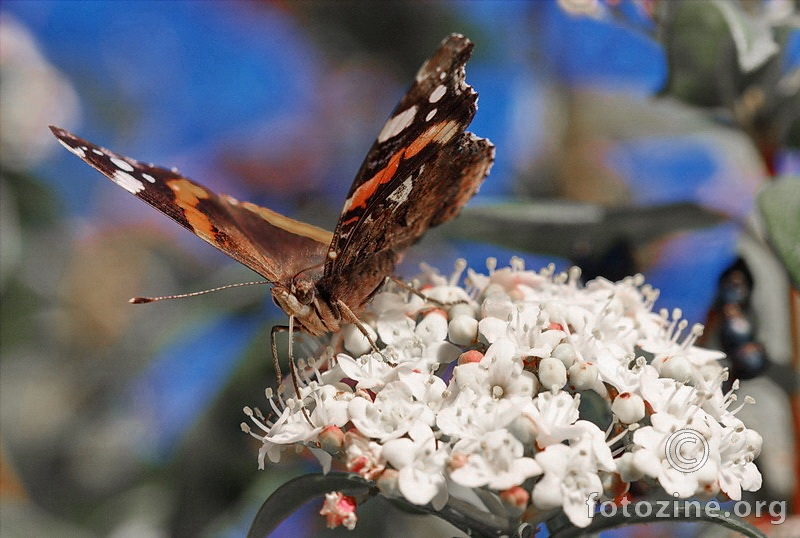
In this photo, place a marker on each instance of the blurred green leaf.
(711, 45)
(779, 203)
(566, 228)
(752, 35)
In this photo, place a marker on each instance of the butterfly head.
(300, 300)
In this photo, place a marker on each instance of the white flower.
(421, 464)
(393, 413)
(738, 447)
(652, 459)
(451, 403)
(495, 460)
(368, 372)
(569, 482)
(395, 327)
(665, 344)
(623, 372)
(553, 415)
(471, 415)
(499, 374)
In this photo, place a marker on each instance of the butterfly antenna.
(143, 300)
(310, 268)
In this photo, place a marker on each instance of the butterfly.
(421, 170)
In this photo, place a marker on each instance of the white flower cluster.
(488, 386)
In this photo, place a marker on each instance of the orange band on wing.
(439, 133)
(187, 197)
(368, 188)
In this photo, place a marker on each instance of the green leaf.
(298, 491)
(779, 203)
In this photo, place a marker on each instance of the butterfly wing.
(269, 243)
(419, 173)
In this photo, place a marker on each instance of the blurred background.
(632, 136)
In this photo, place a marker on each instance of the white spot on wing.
(431, 114)
(97, 151)
(77, 151)
(128, 182)
(149, 178)
(122, 165)
(438, 93)
(397, 124)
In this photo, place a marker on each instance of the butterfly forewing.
(270, 244)
(419, 173)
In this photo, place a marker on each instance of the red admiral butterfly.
(420, 172)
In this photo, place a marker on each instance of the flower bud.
(473, 355)
(339, 509)
(583, 375)
(432, 327)
(676, 367)
(552, 372)
(331, 439)
(354, 340)
(461, 309)
(462, 330)
(628, 407)
(565, 353)
(515, 498)
(387, 483)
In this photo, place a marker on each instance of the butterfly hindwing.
(275, 246)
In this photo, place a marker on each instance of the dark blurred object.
(733, 317)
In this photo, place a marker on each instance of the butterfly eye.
(304, 291)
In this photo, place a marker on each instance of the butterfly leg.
(350, 317)
(274, 346)
(292, 366)
(411, 289)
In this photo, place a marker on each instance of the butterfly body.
(419, 173)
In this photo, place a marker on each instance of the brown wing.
(420, 172)
(274, 246)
